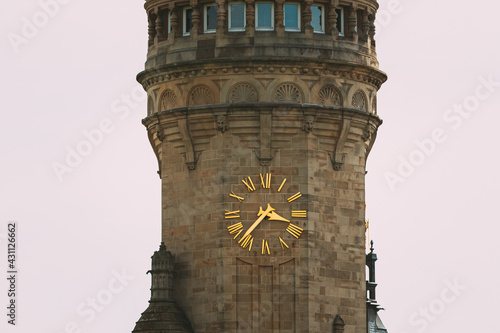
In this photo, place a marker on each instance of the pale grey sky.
(432, 186)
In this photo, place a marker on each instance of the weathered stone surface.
(226, 106)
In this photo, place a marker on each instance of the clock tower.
(261, 115)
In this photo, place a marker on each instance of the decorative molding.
(266, 155)
(308, 124)
(159, 132)
(222, 125)
(329, 95)
(190, 157)
(359, 100)
(219, 82)
(265, 160)
(151, 106)
(200, 95)
(373, 78)
(242, 92)
(369, 144)
(168, 100)
(338, 324)
(265, 82)
(288, 92)
(366, 133)
(338, 156)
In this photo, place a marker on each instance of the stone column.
(332, 19)
(159, 27)
(307, 18)
(221, 17)
(250, 17)
(279, 17)
(196, 18)
(365, 26)
(371, 31)
(174, 23)
(353, 21)
(151, 29)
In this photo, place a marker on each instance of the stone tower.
(262, 115)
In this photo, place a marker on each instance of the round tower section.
(244, 90)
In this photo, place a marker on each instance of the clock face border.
(241, 230)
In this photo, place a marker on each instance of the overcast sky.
(87, 231)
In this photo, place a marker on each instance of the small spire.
(371, 246)
(163, 247)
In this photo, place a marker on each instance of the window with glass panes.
(187, 21)
(318, 21)
(292, 17)
(340, 20)
(264, 16)
(210, 21)
(237, 16)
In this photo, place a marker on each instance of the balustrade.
(342, 22)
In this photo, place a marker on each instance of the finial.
(371, 246)
(163, 247)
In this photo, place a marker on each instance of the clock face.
(261, 215)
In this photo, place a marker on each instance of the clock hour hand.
(273, 216)
(257, 222)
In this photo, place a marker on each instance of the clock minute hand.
(257, 222)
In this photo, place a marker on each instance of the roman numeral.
(248, 240)
(294, 197)
(282, 242)
(231, 214)
(299, 213)
(265, 247)
(249, 184)
(294, 230)
(235, 227)
(240, 199)
(265, 180)
(281, 186)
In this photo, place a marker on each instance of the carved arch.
(168, 100)
(200, 95)
(242, 92)
(330, 95)
(288, 92)
(359, 100)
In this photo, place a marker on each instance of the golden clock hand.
(257, 222)
(273, 216)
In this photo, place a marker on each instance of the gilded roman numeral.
(265, 247)
(299, 213)
(240, 199)
(294, 197)
(231, 214)
(283, 244)
(248, 240)
(265, 180)
(249, 184)
(234, 228)
(281, 186)
(294, 230)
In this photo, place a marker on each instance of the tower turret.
(262, 115)
(163, 315)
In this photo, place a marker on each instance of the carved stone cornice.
(298, 67)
